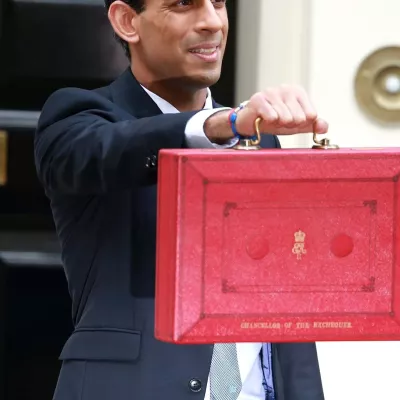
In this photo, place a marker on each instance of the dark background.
(46, 45)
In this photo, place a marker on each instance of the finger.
(258, 107)
(275, 99)
(268, 113)
(296, 110)
(307, 106)
(320, 126)
(285, 118)
(290, 116)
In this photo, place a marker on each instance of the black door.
(46, 45)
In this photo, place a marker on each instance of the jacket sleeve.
(270, 141)
(80, 147)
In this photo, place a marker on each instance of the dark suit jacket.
(96, 156)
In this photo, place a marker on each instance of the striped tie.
(225, 381)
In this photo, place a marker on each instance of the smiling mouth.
(204, 51)
(207, 54)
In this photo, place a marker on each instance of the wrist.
(217, 127)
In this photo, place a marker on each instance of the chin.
(206, 78)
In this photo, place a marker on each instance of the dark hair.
(138, 6)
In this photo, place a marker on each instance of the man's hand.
(285, 110)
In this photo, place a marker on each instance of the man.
(96, 155)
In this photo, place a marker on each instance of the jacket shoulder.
(67, 102)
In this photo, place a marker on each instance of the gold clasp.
(323, 144)
(248, 143)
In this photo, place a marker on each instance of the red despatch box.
(278, 245)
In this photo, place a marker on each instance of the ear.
(124, 21)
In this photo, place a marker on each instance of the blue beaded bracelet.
(232, 121)
(233, 118)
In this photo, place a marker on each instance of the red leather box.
(278, 245)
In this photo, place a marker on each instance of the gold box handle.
(247, 143)
(254, 144)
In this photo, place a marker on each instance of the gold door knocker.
(377, 85)
(3, 158)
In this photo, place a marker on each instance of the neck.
(182, 95)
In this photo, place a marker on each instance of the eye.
(190, 2)
(184, 3)
(219, 2)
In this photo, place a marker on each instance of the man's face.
(181, 40)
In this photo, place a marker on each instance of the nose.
(210, 18)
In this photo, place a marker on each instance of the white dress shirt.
(248, 353)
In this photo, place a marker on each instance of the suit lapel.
(127, 93)
(216, 105)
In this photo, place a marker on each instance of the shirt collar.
(167, 108)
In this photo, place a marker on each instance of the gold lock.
(3, 158)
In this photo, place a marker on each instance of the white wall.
(273, 48)
(337, 49)
(320, 44)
